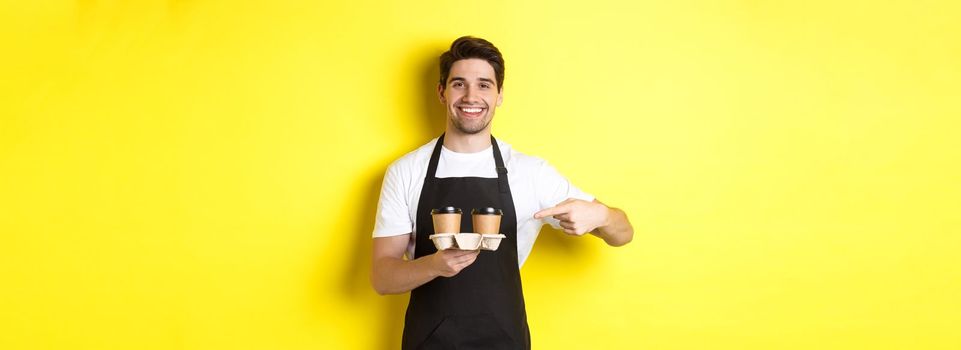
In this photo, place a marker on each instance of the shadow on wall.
(435, 118)
(355, 277)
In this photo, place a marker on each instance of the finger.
(570, 231)
(567, 224)
(456, 264)
(457, 253)
(563, 217)
(556, 210)
(471, 254)
(466, 263)
(546, 212)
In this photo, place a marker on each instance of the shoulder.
(520, 162)
(412, 162)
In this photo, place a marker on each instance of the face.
(470, 95)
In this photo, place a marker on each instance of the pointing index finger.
(560, 209)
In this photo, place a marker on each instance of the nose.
(470, 95)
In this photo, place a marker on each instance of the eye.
(485, 85)
(457, 84)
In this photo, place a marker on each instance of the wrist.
(429, 265)
(607, 216)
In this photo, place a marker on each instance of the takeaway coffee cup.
(446, 219)
(487, 221)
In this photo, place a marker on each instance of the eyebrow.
(453, 79)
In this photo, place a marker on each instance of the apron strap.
(434, 159)
(501, 169)
(502, 182)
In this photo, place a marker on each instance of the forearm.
(617, 231)
(395, 275)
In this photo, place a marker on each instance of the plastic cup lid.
(445, 210)
(487, 211)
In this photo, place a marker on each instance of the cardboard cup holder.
(486, 220)
(467, 241)
(443, 241)
(491, 242)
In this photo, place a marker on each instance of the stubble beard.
(471, 127)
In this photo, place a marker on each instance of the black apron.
(482, 307)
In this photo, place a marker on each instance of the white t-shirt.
(535, 185)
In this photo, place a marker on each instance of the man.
(473, 299)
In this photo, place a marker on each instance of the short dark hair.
(470, 47)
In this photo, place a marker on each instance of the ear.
(440, 94)
(500, 97)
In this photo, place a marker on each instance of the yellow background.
(203, 174)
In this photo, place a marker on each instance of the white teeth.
(471, 110)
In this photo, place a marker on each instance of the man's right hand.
(392, 274)
(450, 262)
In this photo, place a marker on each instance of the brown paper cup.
(446, 220)
(487, 220)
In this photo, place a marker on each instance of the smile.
(471, 110)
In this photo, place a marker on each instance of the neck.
(460, 142)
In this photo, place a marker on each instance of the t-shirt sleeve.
(552, 188)
(393, 214)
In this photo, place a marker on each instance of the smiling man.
(471, 299)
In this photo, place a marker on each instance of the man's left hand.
(577, 216)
